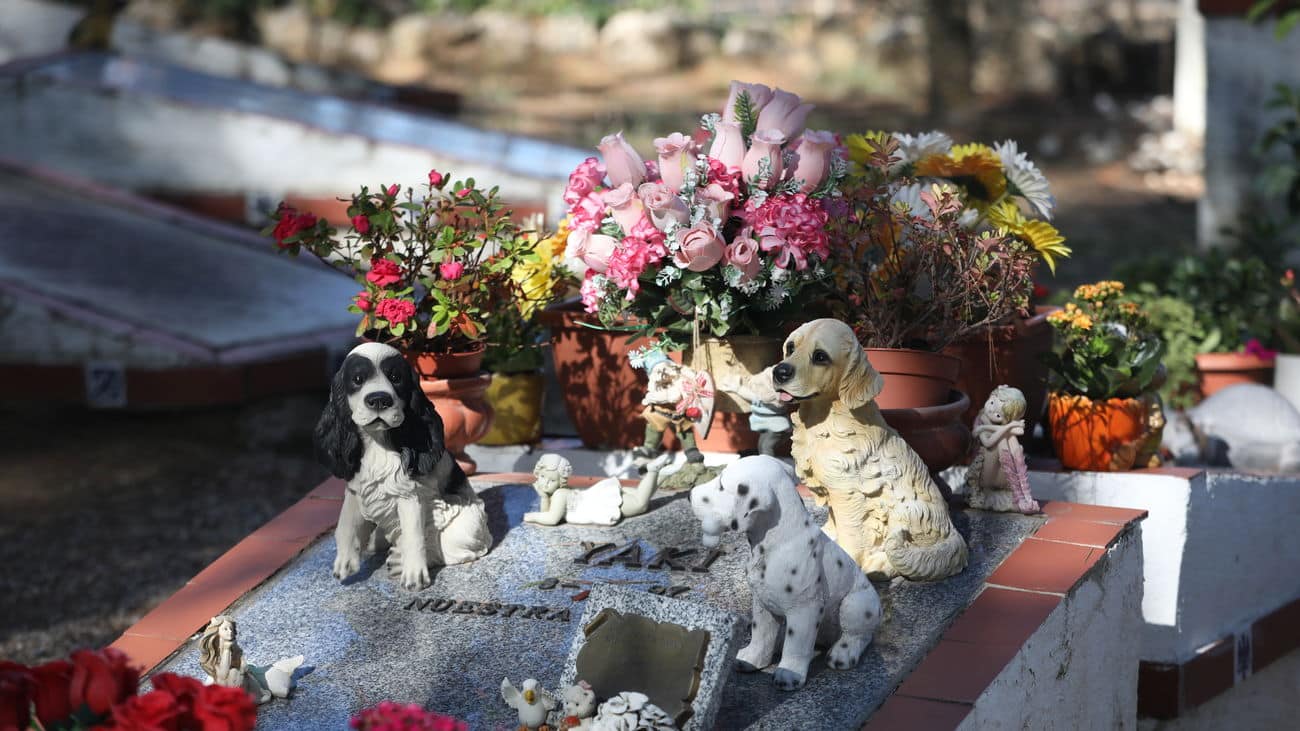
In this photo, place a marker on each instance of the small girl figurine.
(222, 659)
(997, 478)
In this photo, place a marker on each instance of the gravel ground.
(104, 515)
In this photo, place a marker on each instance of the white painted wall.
(1220, 549)
(1079, 670)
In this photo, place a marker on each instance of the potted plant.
(1103, 411)
(1184, 337)
(432, 269)
(706, 249)
(998, 189)
(1287, 378)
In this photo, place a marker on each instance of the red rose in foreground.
(53, 691)
(16, 688)
(395, 311)
(156, 711)
(390, 715)
(181, 687)
(291, 223)
(383, 273)
(101, 679)
(218, 708)
(361, 224)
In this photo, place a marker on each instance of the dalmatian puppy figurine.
(796, 573)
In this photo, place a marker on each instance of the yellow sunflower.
(973, 166)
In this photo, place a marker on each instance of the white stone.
(641, 41)
(503, 38)
(743, 41)
(410, 35)
(266, 67)
(364, 47)
(289, 30)
(566, 33)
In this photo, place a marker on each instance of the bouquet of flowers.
(433, 269)
(720, 232)
(1109, 347)
(97, 689)
(918, 263)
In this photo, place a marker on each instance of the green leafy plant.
(434, 269)
(1235, 297)
(1109, 347)
(1184, 337)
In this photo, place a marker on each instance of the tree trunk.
(951, 54)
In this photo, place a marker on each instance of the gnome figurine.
(678, 398)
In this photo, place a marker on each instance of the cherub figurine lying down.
(604, 503)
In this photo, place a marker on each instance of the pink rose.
(395, 311)
(785, 112)
(383, 273)
(593, 249)
(742, 253)
(436, 179)
(728, 145)
(664, 204)
(361, 224)
(814, 162)
(592, 291)
(699, 247)
(362, 302)
(717, 200)
(759, 96)
(584, 179)
(676, 153)
(624, 205)
(622, 163)
(451, 270)
(764, 145)
(588, 214)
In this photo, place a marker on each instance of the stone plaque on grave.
(678, 653)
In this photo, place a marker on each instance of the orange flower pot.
(1217, 371)
(1101, 436)
(466, 414)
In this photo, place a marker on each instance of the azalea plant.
(1109, 347)
(96, 689)
(719, 233)
(433, 268)
(913, 265)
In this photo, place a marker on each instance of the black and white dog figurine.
(381, 434)
(796, 573)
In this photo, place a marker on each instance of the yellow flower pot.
(517, 400)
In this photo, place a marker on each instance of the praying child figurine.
(222, 659)
(997, 478)
(677, 398)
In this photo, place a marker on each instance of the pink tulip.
(622, 163)
(699, 247)
(593, 249)
(759, 96)
(624, 205)
(765, 144)
(664, 205)
(717, 200)
(742, 253)
(785, 112)
(676, 153)
(728, 145)
(814, 161)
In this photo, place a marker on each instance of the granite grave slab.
(517, 612)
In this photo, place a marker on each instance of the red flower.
(395, 311)
(361, 224)
(693, 412)
(1040, 291)
(16, 687)
(291, 223)
(363, 302)
(383, 272)
(411, 717)
(436, 178)
(393, 190)
(218, 708)
(156, 711)
(101, 679)
(451, 270)
(464, 192)
(181, 687)
(52, 696)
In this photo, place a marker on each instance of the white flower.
(1025, 178)
(914, 147)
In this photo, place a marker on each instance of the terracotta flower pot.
(914, 378)
(1007, 354)
(602, 392)
(730, 434)
(937, 433)
(1217, 371)
(466, 415)
(448, 365)
(516, 401)
(733, 358)
(1103, 436)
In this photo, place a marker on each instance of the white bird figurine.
(533, 704)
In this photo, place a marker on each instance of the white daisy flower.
(1025, 178)
(914, 147)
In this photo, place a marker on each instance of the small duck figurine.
(997, 478)
(604, 503)
(533, 704)
(579, 707)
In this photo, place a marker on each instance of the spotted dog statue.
(796, 572)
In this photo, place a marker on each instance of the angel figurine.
(997, 478)
(604, 503)
(678, 398)
(222, 659)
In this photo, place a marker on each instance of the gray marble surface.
(366, 646)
